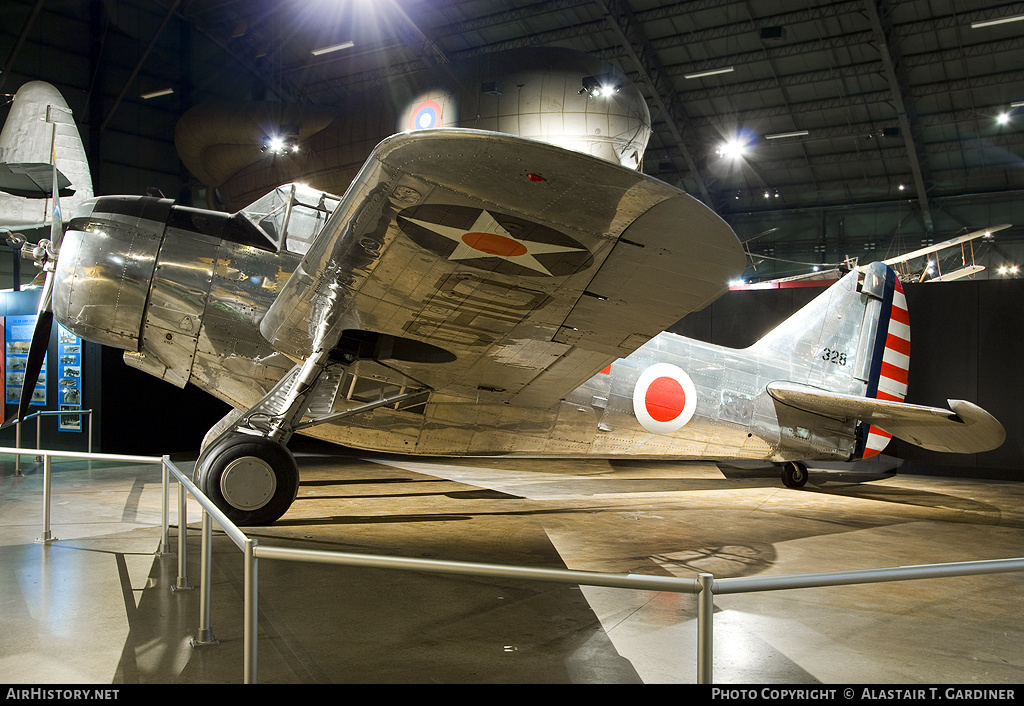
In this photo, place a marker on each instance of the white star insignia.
(488, 238)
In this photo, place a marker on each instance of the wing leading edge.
(964, 428)
(530, 266)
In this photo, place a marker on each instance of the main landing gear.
(252, 479)
(794, 474)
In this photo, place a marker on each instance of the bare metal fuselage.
(200, 298)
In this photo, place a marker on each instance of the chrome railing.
(39, 417)
(705, 586)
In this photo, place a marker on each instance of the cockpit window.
(292, 215)
(225, 226)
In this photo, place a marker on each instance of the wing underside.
(963, 428)
(504, 268)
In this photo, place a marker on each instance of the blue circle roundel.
(425, 115)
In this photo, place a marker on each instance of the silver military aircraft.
(479, 293)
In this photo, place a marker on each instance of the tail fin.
(890, 356)
(40, 131)
(852, 339)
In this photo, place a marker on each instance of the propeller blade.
(36, 356)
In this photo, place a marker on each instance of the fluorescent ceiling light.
(333, 47)
(997, 21)
(157, 94)
(1017, 104)
(779, 135)
(712, 72)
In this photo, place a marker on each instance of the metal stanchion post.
(165, 542)
(705, 630)
(251, 610)
(182, 584)
(205, 635)
(47, 472)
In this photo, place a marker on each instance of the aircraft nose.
(105, 266)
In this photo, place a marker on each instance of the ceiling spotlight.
(902, 187)
(279, 144)
(602, 85)
(732, 149)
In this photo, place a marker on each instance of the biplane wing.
(499, 267)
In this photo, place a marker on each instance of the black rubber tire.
(794, 474)
(255, 450)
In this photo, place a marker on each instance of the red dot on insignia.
(535, 177)
(494, 244)
(664, 399)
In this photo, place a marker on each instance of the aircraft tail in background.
(39, 128)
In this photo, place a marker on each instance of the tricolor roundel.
(664, 398)
(426, 114)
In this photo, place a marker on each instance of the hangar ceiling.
(872, 128)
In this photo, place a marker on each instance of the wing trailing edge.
(963, 428)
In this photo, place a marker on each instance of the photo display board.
(18, 340)
(69, 387)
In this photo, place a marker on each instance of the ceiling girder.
(668, 106)
(878, 16)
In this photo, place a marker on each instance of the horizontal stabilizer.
(964, 428)
(32, 180)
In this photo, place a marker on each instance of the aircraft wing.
(964, 428)
(531, 267)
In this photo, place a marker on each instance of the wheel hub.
(248, 483)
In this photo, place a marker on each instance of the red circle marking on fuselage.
(494, 244)
(665, 399)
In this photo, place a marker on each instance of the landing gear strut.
(794, 474)
(252, 479)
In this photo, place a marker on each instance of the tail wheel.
(252, 479)
(794, 474)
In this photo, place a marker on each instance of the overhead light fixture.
(1003, 118)
(780, 135)
(333, 47)
(996, 21)
(732, 149)
(157, 94)
(1017, 104)
(712, 72)
(279, 144)
(600, 85)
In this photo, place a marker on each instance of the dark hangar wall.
(967, 342)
